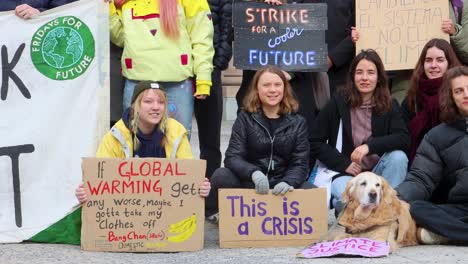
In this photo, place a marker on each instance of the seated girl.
(437, 184)
(268, 146)
(373, 136)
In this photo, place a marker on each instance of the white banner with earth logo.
(54, 107)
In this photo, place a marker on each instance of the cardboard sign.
(248, 219)
(349, 246)
(290, 36)
(398, 30)
(143, 205)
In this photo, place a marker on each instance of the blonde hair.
(168, 16)
(135, 117)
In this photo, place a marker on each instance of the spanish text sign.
(248, 219)
(143, 205)
(398, 30)
(291, 37)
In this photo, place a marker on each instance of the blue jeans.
(392, 166)
(179, 100)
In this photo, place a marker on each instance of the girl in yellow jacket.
(168, 41)
(145, 130)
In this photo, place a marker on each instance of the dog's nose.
(372, 196)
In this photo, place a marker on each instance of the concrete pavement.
(51, 253)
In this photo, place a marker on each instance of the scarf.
(427, 112)
(150, 145)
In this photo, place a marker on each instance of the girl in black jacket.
(268, 146)
(374, 136)
(437, 183)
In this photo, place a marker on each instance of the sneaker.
(214, 218)
(427, 237)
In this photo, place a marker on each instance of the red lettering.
(110, 236)
(168, 169)
(146, 186)
(132, 172)
(177, 173)
(126, 174)
(126, 185)
(142, 168)
(105, 188)
(93, 190)
(156, 168)
(156, 188)
(115, 185)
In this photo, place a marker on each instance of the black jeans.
(208, 114)
(225, 178)
(116, 84)
(449, 220)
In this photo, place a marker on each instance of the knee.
(397, 157)
(338, 186)
(222, 177)
(416, 207)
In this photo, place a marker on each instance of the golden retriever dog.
(374, 211)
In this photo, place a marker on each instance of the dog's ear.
(388, 193)
(348, 193)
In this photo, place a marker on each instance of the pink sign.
(350, 246)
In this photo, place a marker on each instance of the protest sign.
(54, 102)
(290, 36)
(143, 205)
(398, 30)
(248, 219)
(349, 246)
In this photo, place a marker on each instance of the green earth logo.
(63, 48)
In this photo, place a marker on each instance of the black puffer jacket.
(283, 156)
(441, 164)
(221, 13)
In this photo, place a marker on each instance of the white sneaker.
(427, 237)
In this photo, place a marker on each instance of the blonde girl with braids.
(145, 130)
(165, 41)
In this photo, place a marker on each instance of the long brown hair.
(168, 14)
(381, 96)
(252, 102)
(449, 111)
(418, 71)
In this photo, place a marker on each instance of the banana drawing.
(183, 229)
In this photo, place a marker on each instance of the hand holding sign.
(143, 205)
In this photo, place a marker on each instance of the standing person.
(436, 185)
(268, 146)
(25, 9)
(116, 84)
(457, 28)
(209, 112)
(168, 41)
(373, 134)
(421, 105)
(341, 50)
